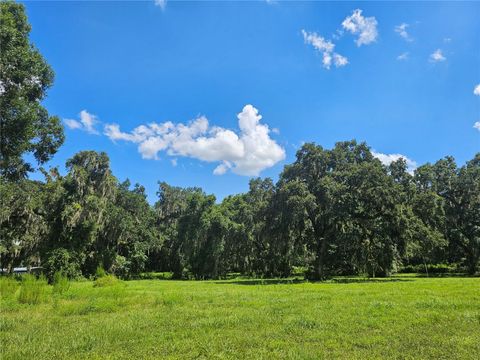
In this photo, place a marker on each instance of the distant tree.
(22, 223)
(464, 216)
(25, 126)
(81, 211)
(171, 205)
(130, 231)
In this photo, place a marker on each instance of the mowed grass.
(399, 318)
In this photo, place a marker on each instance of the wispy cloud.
(364, 27)
(402, 31)
(404, 56)
(86, 123)
(245, 152)
(162, 4)
(437, 56)
(477, 125)
(476, 90)
(387, 159)
(325, 47)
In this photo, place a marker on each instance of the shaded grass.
(420, 318)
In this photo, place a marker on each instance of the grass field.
(400, 318)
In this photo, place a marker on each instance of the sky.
(211, 94)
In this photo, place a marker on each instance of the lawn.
(404, 317)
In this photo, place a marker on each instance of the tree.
(81, 212)
(22, 223)
(25, 126)
(130, 231)
(464, 219)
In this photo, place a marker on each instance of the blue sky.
(404, 89)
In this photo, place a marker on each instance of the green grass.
(405, 317)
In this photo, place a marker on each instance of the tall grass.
(107, 280)
(33, 290)
(60, 284)
(8, 286)
(100, 272)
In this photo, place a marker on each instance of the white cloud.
(364, 27)
(437, 56)
(222, 168)
(387, 159)
(339, 60)
(174, 162)
(477, 125)
(403, 56)
(162, 4)
(402, 31)
(476, 90)
(72, 124)
(87, 122)
(326, 47)
(246, 152)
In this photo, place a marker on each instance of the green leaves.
(25, 126)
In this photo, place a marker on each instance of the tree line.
(332, 211)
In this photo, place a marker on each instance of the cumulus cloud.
(364, 27)
(245, 152)
(403, 56)
(86, 123)
(437, 56)
(402, 31)
(325, 47)
(339, 60)
(162, 4)
(477, 125)
(387, 159)
(476, 90)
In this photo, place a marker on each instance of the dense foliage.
(337, 211)
(25, 126)
(332, 212)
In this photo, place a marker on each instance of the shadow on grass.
(368, 280)
(301, 281)
(262, 281)
(446, 275)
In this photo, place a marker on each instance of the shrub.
(60, 283)
(100, 272)
(8, 286)
(33, 290)
(107, 280)
(60, 260)
(430, 268)
(121, 267)
(155, 276)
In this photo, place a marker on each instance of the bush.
(8, 286)
(33, 290)
(100, 272)
(60, 260)
(60, 283)
(430, 268)
(155, 276)
(107, 280)
(121, 267)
